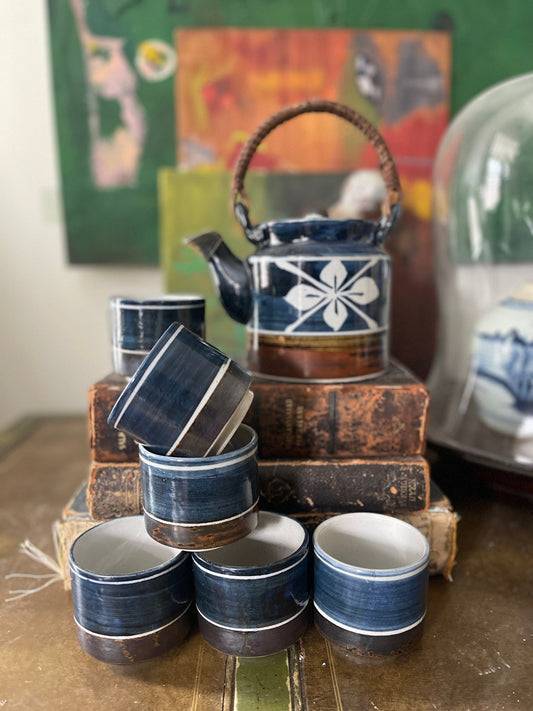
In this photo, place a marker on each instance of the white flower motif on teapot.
(319, 296)
(336, 292)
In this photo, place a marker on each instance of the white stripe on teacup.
(376, 578)
(203, 523)
(195, 303)
(214, 384)
(370, 633)
(226, 463)
(147, 373)
(253, 629)
(249, 577)
(130, 580)
(132, 636)
(129, 350)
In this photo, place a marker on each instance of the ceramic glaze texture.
(202, 502)
(137, 324)
(186, 396)
(320, 295)
(127, 588)
(370, 581)
(503, 366)
(252, 596)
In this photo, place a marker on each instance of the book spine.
(289, 486)
(107, 443)
(322, 421)
(114, 490)
(380, 485)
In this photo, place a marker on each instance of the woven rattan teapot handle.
(386, 162)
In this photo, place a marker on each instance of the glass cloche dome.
(481, 380)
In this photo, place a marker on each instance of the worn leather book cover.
(114, 489)
(382, 416)
(382, 485)
(107, 443)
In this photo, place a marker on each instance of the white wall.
(53, 316)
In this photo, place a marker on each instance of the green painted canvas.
(113, 74)
(113, 69)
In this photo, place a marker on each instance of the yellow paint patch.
(417, 197)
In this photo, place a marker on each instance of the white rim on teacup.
(275, 539)
(371, 543)
(231, 425)
(169, 301)
(120, 548)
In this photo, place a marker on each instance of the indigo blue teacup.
(137, 324)
(132, 596)
(197, 503)
(370, 585)
(186, 397)
(252, 596)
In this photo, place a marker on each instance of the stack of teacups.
(134, 579)
(184, 406)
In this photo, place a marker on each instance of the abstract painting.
(113, 66)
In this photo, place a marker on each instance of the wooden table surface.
(475, 653)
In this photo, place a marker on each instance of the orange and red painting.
(230, 80)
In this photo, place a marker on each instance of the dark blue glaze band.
(182, 395)
(132, 603)
(254, 601)
(200, 489)
(320, 296)
(251, 597)
(366, 604)
(137, 324)
(370, 575)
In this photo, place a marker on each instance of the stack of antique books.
(324, 449)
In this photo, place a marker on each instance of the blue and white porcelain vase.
(503, 365)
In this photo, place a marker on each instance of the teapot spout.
(230, 274)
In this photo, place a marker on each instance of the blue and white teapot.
(315, 294)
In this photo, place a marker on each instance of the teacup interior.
(275, 538)
(241, 437)
(371, 541)
(120, 547)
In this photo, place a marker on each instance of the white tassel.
(29, 549)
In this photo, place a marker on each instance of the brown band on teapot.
(386, 162)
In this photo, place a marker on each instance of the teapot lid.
(315, 227)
